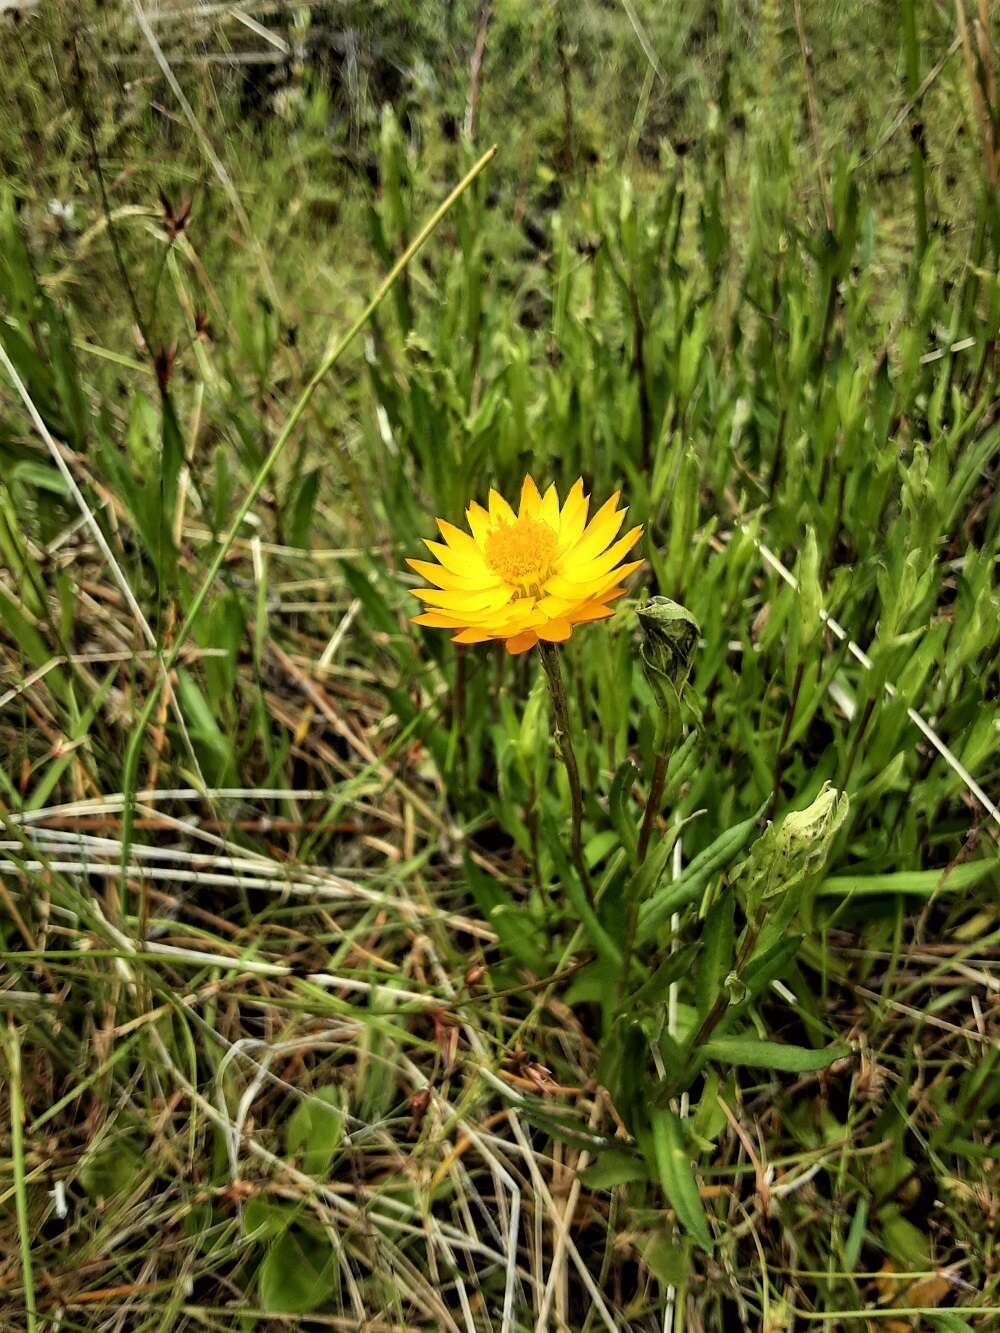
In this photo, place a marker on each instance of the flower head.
(526, 576)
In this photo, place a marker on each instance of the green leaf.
(266, 1221)
(719, 937)
(487, 891)
(562, 1127)
(613, 1167)
(364, 587)
(811, 595)
(316, 1129)
(949, 1322)
(301, 511)
(772, 962)
(298, 1273)
(667, 1260)
(906, 1243)
(618, 806)
(215, 750)
(691, 884)
(673, 967)
(673, 1166)
(924, 883)
(756, 1054)
(856, 1234)
(29, 642)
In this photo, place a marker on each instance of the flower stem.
(653, 803)
(666, 729)
(553, 672)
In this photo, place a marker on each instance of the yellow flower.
(526, 576)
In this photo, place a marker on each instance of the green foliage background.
(737, 260)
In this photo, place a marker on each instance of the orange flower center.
(521, 552)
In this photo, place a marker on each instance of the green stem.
(673, 1087)
(20, 1190)
(653, 802)
(553, 672)
(335, 349)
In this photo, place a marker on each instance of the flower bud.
(669, 638)
(786, 855)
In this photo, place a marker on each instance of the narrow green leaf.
(712, 861)
(676, 1174)
(719, 941)
(924, 883)
(786, 1059)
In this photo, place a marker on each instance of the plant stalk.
(653, 801)
(557, 689)
(664, 739)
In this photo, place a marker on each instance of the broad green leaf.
(315, 1129)
(906, 1243)
(298, 1274)
(666, 1259)
(613, 1167)
(520, 937)
(266, 1221)
(856, 1234)
(691, 884)
(301, 511)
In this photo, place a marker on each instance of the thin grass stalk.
(20, 1188)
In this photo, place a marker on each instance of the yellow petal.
(435, 620)
(573, 516)
(444, 578)
(500, 510)
(550, 508)
(593, 611)
(564, 588)
(584, 572)
(555, 631)
(520, 643)
(479, 522)
(530, 499)
(602, 529)
(463, 563)
(448, 600)
(460, 542)
(556, 607)
(474, 636)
